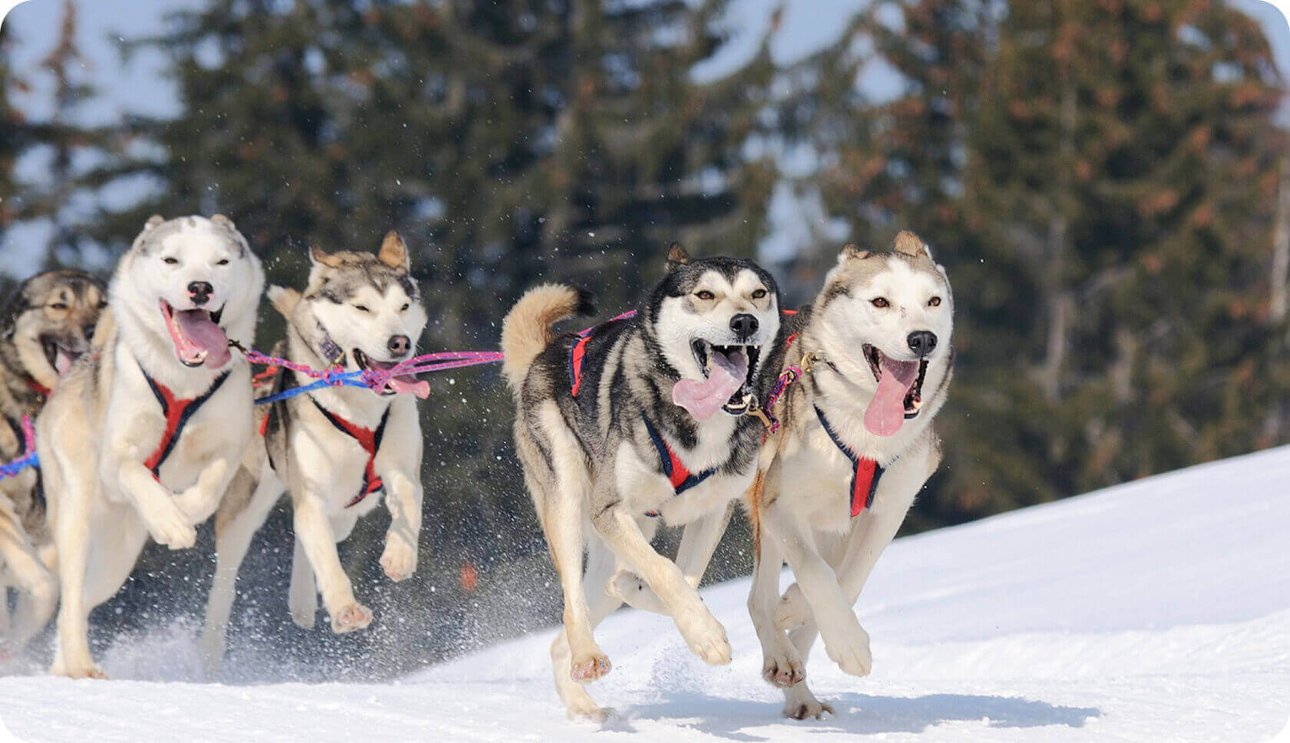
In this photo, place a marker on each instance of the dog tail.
(527, 327)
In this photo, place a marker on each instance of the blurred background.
(1107, 183)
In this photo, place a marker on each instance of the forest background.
(1107, 184)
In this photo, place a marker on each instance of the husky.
(143, 436)
(47, 326)
(335, 449)
(855, 446)
(641, 418)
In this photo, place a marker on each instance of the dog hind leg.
(600, 566)
(302, 596)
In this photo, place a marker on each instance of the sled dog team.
(710, 393)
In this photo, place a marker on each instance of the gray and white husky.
(143, 436)
(337, 449)
(48, 324)
(640, 418)
(855, 447)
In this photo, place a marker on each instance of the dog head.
(51, 322)
(883, 320)
(367, 306)
(712, 319)
(197, 276)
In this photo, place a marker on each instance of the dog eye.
(705, 295)
(58, 306)
(405, 307)
(934, 302)
(880, 302)
(759, 294)
(222, 262)
(169, 260)
(361, 308)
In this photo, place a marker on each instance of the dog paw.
(792, 611)
(304, 617)
(783, 667)
(398, 560)
(635, 592)
(172, 530)
(705, 636)
(77, 670)
(351, 618)
(588, 668)
(806, 707)
(591, 712)
(851, 651)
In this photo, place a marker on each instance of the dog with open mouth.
(338, 449)
(143, 436)
(640, 419)
(47, 326)
(854, 447)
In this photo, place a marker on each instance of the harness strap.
(579, 350)
(864, 481)
(369, 440)
(677, 474)
(37, 387)
(177, 413)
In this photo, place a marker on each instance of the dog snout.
(921, 342)
(744, 325)
(399, 345)
(200, 292)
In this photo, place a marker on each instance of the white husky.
(143, 437)
(336, 449)
(855, 447)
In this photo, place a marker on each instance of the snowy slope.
(1158, 610)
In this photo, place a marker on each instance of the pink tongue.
(410, 386)
(200, 333)
(703, 399)
(886, 412)
(63, 361)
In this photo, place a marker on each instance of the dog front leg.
(199, 500)
(313, 529)
(39, 589)
(155, 504)
(698, 542)
(399, 559)
(844, 639)
(702, 632)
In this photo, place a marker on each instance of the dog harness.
(864, 481)
(579, 350)
(369, 440)
(177, 413)
(670, 464)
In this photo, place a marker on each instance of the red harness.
(369, 440)
(37, 387)
(177, 413)
(864, 481)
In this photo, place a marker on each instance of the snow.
(1156, 610)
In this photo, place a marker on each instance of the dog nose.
(744, 325)
(399, 345)
(200, 292)
(922, 342)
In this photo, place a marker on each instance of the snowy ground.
(1155, 611)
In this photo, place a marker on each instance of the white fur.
(95, 434)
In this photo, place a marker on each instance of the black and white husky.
(338, 449)
(855, 447)
(143, 437)
(640, 418)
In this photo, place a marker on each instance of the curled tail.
(527, 327)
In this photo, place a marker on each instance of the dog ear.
(320, 257)
(676, 256)
(907, 243)
(852, 251)
(284, 300)
(153, 221)
(223, 221)
(394, 252)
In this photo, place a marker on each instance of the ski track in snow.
(1153, 611)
